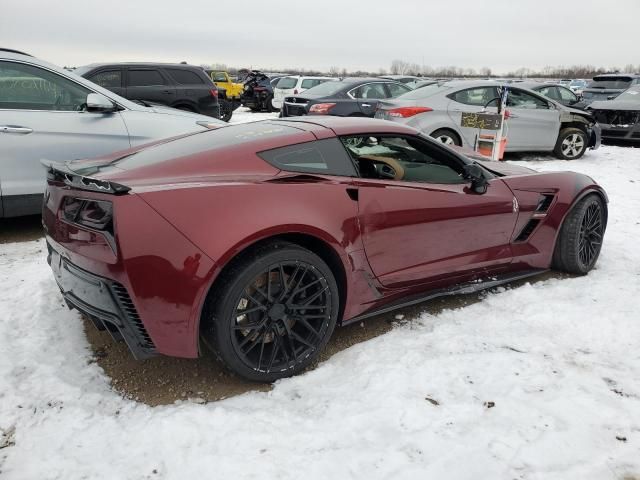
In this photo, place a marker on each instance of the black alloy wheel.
(275, 313)
(581, 236)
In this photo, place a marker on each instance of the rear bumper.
(105, 302)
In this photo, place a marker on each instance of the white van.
(295, 85)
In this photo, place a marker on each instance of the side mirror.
(475, 175)
(99, 104)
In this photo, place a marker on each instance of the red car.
(258, 238)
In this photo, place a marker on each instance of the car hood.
(163, 109)
(615, 105)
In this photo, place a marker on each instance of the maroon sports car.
(258, 238)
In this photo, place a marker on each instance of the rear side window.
(108, 79)
(287, 82)
(327, 157)
(145, 78)
(369, 91)
(475, 96)
(185, 77)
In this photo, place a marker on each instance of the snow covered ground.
(536, 382)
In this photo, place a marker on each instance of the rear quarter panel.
(225, 218)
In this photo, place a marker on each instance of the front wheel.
(571, 144)
(580, 239)
(273, 313)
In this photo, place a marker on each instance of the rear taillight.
(95, 214)
(322, 108)
(214, 93)
(406, 112)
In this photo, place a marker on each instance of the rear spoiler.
(59, 172)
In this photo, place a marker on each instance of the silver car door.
(42, 117)
(471, 100)
(533, 122)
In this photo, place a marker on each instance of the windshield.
(619, 83)
(424, 92)
(325, 89)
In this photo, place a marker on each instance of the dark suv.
(182, 86)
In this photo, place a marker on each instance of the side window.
(476, 96)
(25, 87)
(185, 77)
(396, 89)
(407, 159)
(108, 79)
(145, 78)
(327, 157)
(520, 99)
(567, 95)
(370, 91)
(551, 92)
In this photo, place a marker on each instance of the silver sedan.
(535, 123)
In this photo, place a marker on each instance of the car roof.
(630, 76)
(134, 64)
(344, 125)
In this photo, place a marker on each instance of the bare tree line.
(400, 67)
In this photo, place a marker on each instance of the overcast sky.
(365, 34)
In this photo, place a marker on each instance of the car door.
(111, 79)
(368, 96)
(150, 84)
(471, 100)
(534, 123)
(420, 221)
(42, 118)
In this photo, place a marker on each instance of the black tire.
(580, 239)
(270, 108)
(571, 144)
(226, 111)
(277, 338)
(452, 138)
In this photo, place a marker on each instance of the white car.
(295, 85)
(49, 113)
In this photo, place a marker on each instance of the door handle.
(167, 91)
(366, 104)
(15, 129)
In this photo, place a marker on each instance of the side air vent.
(544, 203)
(130, 311)
(528, 230)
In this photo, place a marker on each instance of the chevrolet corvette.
(256, 240)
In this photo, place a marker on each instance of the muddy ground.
(163, 380)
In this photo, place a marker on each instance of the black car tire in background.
(226, 110)
(289, 302)
(571, 144)
(580, 239)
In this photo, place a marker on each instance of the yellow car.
(222, 79)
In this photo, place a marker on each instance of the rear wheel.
(448, 137)
(571, 144)
(226, 111)
(274, 312)
(580, 239)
